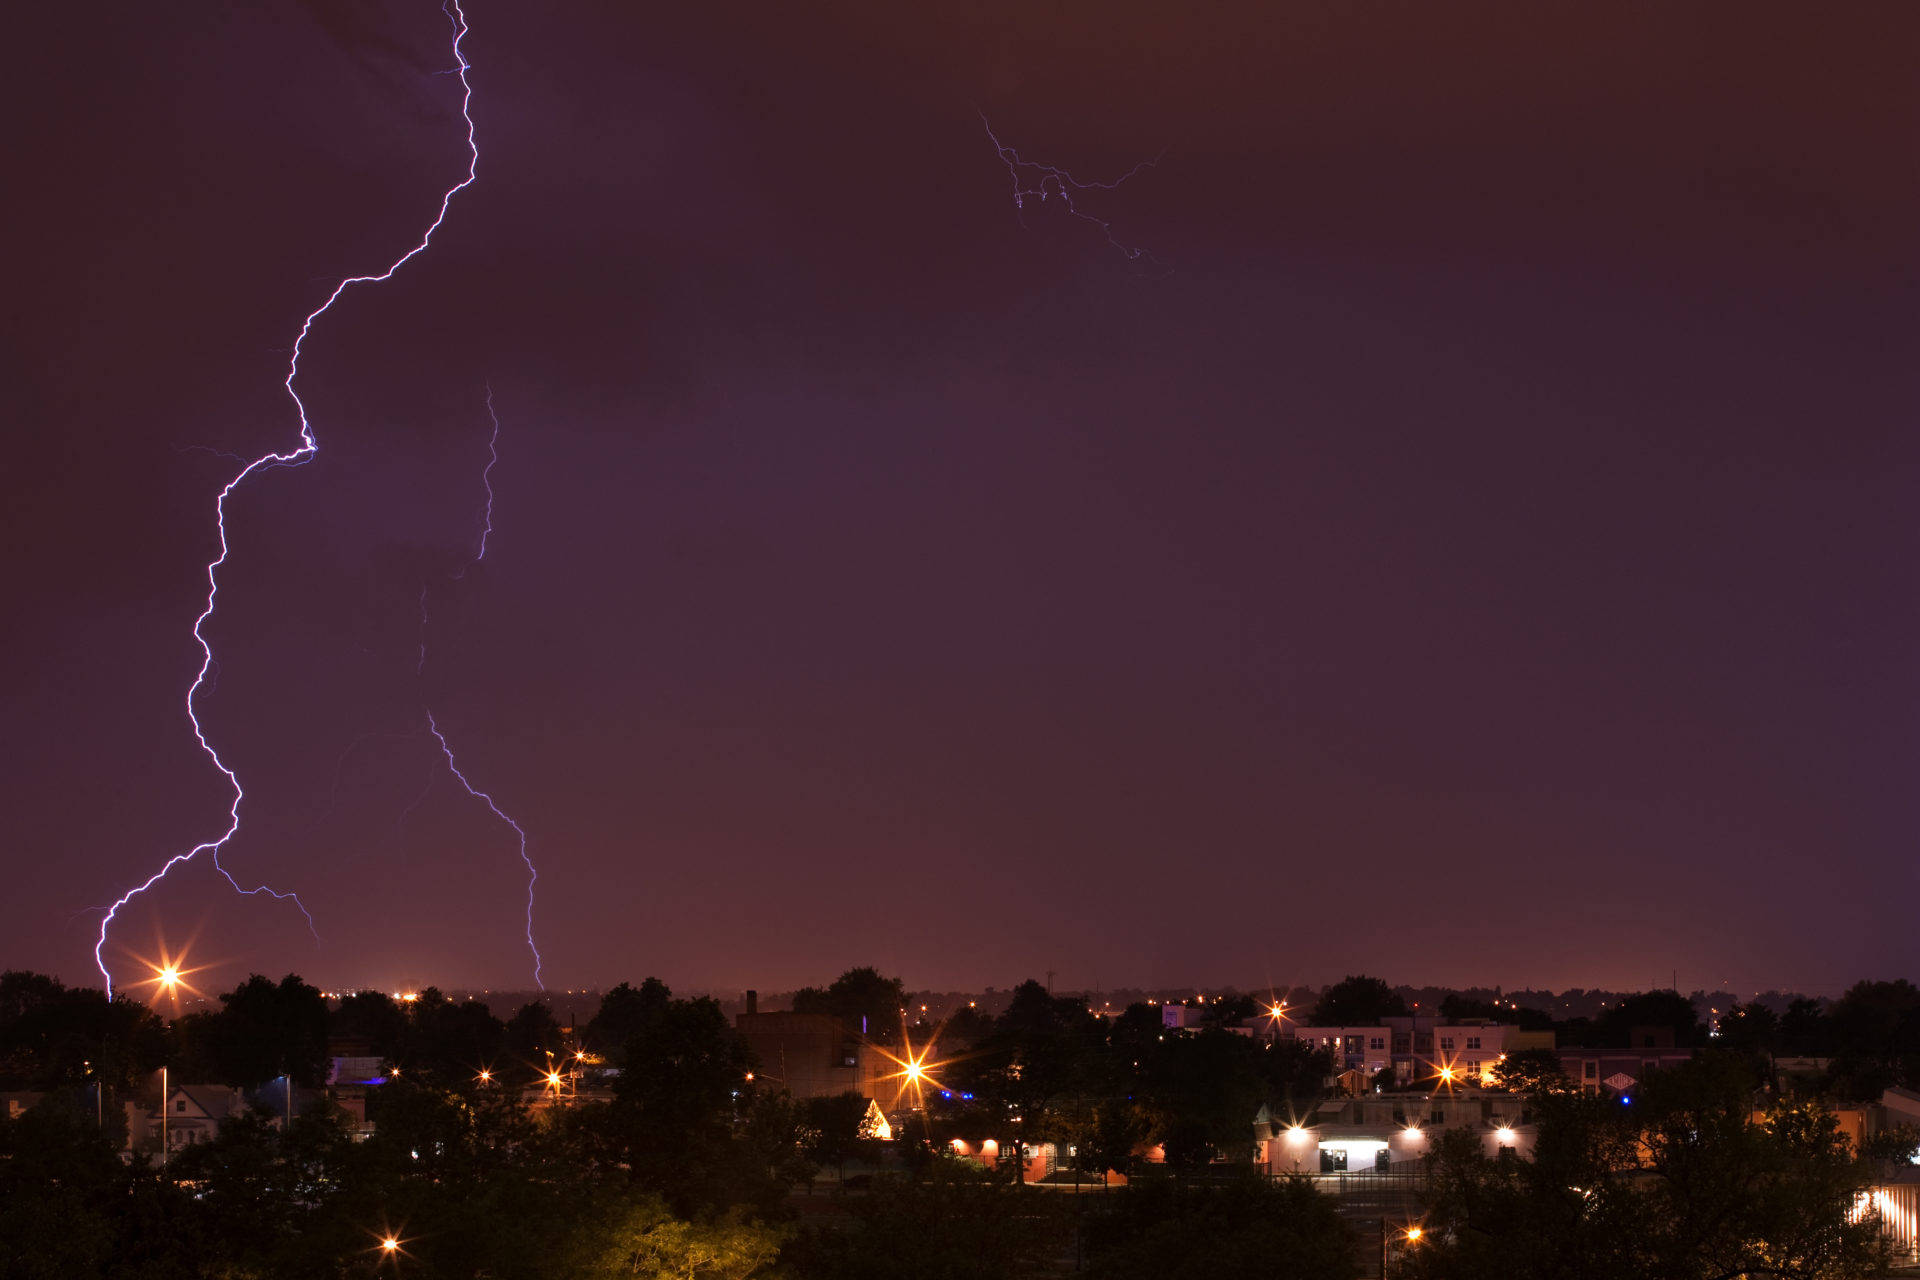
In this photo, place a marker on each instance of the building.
(1420, 1049)
(193, 1113)
(15, 1105)
(1391, 1132)
(1612, 1072)
(816, 1055)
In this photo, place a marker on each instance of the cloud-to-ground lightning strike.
(533, 873)
(1051, 180)
(293, 457)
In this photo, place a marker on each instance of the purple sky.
(1484, 552)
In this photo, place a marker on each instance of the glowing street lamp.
(915, 1072)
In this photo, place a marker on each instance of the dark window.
(179, 1106)
(1381, 1159)
(1333, 1159)
(1439, 1116)
(1592, 1071)
(1506, 1153)
(1399, 1115)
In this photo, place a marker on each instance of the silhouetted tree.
(373, 1018)
(1534, 1071)
(1710, 1193)
(1657, 1011)
(53, 1035)
(869, 1003)
(1358, 1001)
(626, 1012)
(264, 1029)
(531, 1034)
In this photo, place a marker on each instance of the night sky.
(1474, 543)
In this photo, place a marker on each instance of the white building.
(1377, 1132)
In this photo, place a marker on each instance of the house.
(15, 1105)
(193, 1113)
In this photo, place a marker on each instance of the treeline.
(681, 1162)
(679, 1165)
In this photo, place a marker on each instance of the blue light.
(1625, 1100)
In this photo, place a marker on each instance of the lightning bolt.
(486, 480)
(533, 873)
(1051, 180)
(294, 457)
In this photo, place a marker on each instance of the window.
(1439, 1117)
(1377, 1042)
(1333, 1159)
(180, 1106)
(1399, 1115)
(1380, 1160)
(1446, 1044)
(1473, 1042)
(1592, 1071)
(1507, 1153)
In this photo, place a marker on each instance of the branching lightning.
(1034, 180)
(297, 456)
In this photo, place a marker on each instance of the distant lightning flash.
(1033, 180)
(533, 873)
(291, 458)
(486, 478)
